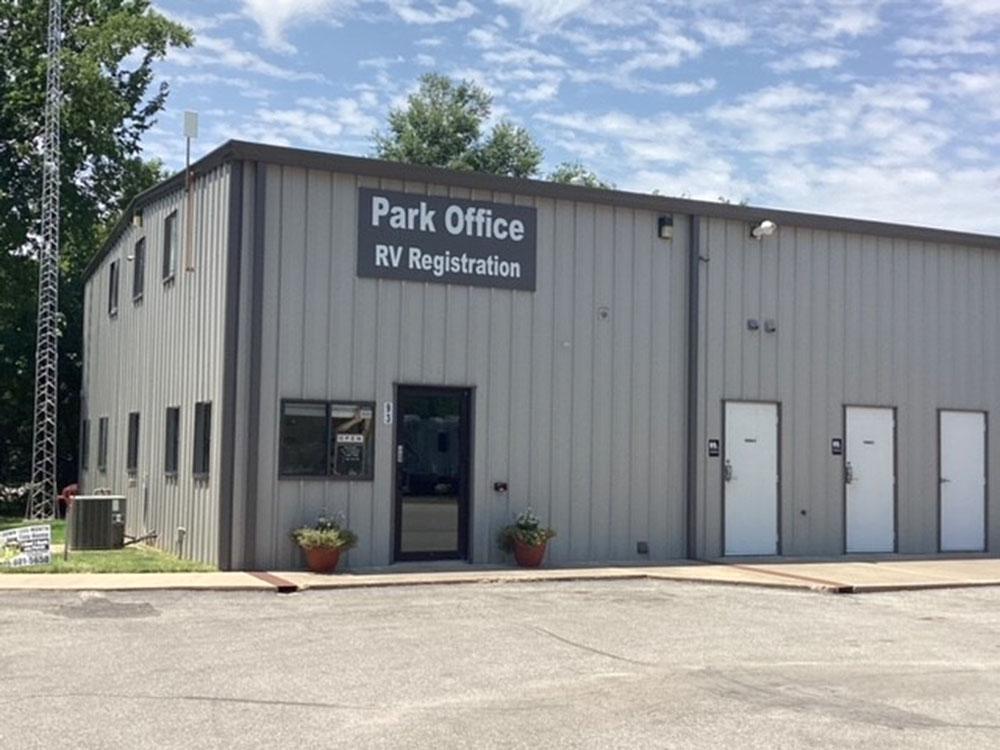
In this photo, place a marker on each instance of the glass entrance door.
(432, 473)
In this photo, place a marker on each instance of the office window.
(132, 457)
(85, 444)
(327, 439)
(202, 437)
(113, 288)
(138, 269)
(303, 438)
(102, 444)
(171, 441)
(170, 242)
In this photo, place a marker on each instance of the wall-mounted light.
(665, 227)
(137, 219)
(763, 229)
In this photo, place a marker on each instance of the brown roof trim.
(296, 157)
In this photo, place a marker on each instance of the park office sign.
(445, 240)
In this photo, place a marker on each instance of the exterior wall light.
(665, 227)
(763, 229)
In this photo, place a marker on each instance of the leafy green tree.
(442, 126)
(109, 47)
(574, 173)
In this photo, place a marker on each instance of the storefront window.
(327, 439)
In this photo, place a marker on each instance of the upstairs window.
(132, 457)
(170, 242)
(138, 269)
(102, 444)
(85, 444)
(172, 439)
(113, 288)
(202, 437)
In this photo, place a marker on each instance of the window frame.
(170, 246)
(102, 445)
(139, 270)
(172, 448)
(201, 464)
(114, 275)
(327, 475)
(132, 444)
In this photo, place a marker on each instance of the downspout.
(693, 452)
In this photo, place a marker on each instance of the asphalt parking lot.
(588, 664)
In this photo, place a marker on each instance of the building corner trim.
(253, 390)
(231, 328)
(693, 347)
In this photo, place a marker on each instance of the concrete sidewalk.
(850, 577)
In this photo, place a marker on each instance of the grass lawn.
(138, 559)
(58, 527)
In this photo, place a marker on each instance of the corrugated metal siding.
(165, 350)
(583, 416)
(862, 321)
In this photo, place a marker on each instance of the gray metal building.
(429, 352)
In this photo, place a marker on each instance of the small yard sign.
(28, 545)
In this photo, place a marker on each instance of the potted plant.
(527, 539)
(323, 542)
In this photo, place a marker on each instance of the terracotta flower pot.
(528, 556)
(322, 559)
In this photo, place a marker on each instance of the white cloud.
(722, 33)
(274, 16)
(224, 52)
(810, 59)
(408, 11)
(542, 13)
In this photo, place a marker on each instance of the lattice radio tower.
(42, 501)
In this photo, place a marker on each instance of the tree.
(442, 126)
(574, 173)
(109, 47)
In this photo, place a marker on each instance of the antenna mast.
(42, 502)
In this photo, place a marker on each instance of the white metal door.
(963, 481)
(751, 479)
(870, 474)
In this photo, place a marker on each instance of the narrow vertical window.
(132, 457)
(102, 444)
(85, 444)
(171, 439)
(138, 269)
(170, 246)
(202, 437)
(113, 288)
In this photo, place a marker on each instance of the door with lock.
(962, 478)
(750, 478)
(870, 479)
(433, 460)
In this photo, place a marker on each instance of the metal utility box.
(97, 522)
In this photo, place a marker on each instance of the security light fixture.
(665, 227)
(763, 229)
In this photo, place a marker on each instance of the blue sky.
(882, 109)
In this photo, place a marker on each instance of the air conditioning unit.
(97, 522)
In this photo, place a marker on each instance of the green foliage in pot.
(526, 529)
(328, 533)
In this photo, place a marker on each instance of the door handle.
(944, 480)
(727, 471)
(848, 472)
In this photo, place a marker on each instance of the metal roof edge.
(308, 159)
